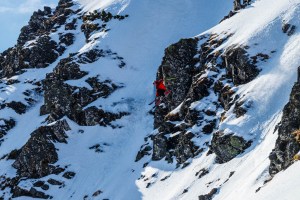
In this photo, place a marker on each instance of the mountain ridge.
(83, 79)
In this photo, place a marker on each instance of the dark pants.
(160, 93)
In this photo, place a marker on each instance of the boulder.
(37, 156)
(227, 147)
(287, 144)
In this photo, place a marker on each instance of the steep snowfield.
(141, 40)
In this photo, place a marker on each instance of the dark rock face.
(18, 107)
(34, 48)
(288, 29)
(287, 144)
(210, 195)
(63, 96)
(62, 99)
(97, 21)
(228, 147)
(67, 39)
(7, 125)
(177, 70)
(184, 70)
(69, 175)
(43, 53)
(19, 192)
(38, 154)
(239, 66)
(237, 5)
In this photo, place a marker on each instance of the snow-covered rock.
(75, 91)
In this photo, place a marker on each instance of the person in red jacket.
(161, 91)
(160, 88)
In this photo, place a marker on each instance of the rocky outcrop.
(288, 29)
(195, 75)
(62, 99)
(227, 147)
(97, 21)
(177, 70)
(38, 155)
(5, 126)
(238, 65)
(35, 49)
(210, 195)
(237, 5)
(20, 192)
(287, 144)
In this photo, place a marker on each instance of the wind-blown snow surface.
(141, 40)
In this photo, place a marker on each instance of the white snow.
(141, 39)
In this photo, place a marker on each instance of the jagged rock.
(225, 97)
(69, 175)
(71, 25)
(202, 173)
(97, 193)
(177, 70)
(41, 50)
(288, 29)
(67, 39)
(287, 146)
(184, 147)
(199, 89)
(143, 152)
(54, 182)
(43, 53)
(227, 147)
(92, 56)
(67, 69)
(13, 154)
(6, 125)
(19, 192)
(90, 26)
(39, 184)
(237, 5)
(239, 66)
(239, 110)
(159, 147)
(62, 99)
(58, 97)
(93, 116)
(210, 195)
(39, 153)
(179, 146)
(45, 187)
(209, 127)
(18, 107)
(13, 62)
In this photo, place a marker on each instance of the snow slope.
(141, 40)
(258, 26)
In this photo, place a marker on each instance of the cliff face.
(75, 121)
(287, 144)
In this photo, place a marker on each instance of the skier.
(161, 91)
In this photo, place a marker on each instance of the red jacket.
(160, 85)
